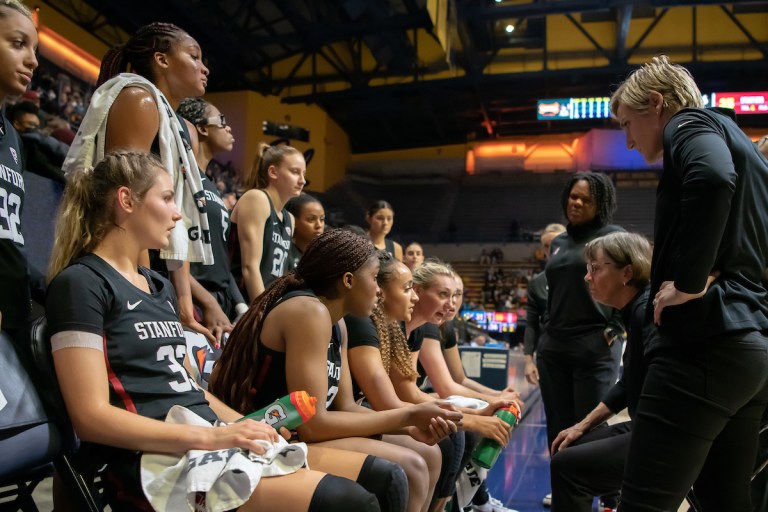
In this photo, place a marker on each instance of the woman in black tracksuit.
(577, 360)
(705, 391)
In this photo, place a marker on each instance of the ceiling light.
(509, 28)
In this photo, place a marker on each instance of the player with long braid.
(295, 328)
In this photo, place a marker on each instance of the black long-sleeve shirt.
(572, 312)
(535, 312)
(626, 392)
(711, 216)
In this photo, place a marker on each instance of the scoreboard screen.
(566, 109)
(574, 108)
(742, 102)
(494, 321)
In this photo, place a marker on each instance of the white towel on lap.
(226, 478)
(190, 239)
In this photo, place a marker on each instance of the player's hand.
(242, 434)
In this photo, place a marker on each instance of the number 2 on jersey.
(279, 262)
(10, 223)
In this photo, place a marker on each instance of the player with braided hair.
(294, 328)
(218, 290)
(141, 84)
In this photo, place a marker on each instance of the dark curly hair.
(193, 110)
(602, 191)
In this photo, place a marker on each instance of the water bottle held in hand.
(289, 411)
(487, 450)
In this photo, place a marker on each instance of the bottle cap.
(304, 404)
(514, 408)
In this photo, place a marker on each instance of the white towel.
(88, 149)
(226, 478)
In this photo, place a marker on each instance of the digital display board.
(742, 102)
(574, 108)
(494, 321)
(566, 109)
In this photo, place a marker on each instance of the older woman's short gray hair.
(624, 249)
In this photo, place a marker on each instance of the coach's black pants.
(574, 375)
(697, 420)
(592, 466)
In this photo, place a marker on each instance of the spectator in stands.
(309, 214)
(496, 255)
(60, 130)
(31, 96)
(588, 461)
(43, 154)
(167, 66)
(261, 226)
(485, 259)
(17, 63)
(413, 256)
(214, 289)
(380, 218)
(578, 360)
(536, 307)
(293, 338)
(705, 390)
(115, 381)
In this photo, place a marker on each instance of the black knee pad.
(334, 493)
(387, 480)
(452, 449)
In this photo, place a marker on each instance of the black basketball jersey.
(389, 247)
(14, 275)
(271, 382)
(274, 249)
(143, 340)
(214, 277)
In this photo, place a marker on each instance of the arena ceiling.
(409, 73)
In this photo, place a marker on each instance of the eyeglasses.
(593, 266)
(219, 121)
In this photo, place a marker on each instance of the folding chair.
(29, 442)
(73, 466)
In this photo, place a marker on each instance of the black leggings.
(591, 466)
(697, 421)
(574, 375)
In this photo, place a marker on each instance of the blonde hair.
(426, 274)
(672, 81)
(625, 249)
(87, 211)
(16, 6)
(266, 156)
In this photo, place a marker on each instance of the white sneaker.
(493, 505)
(547, 501)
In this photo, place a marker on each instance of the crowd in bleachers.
(185, 300)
